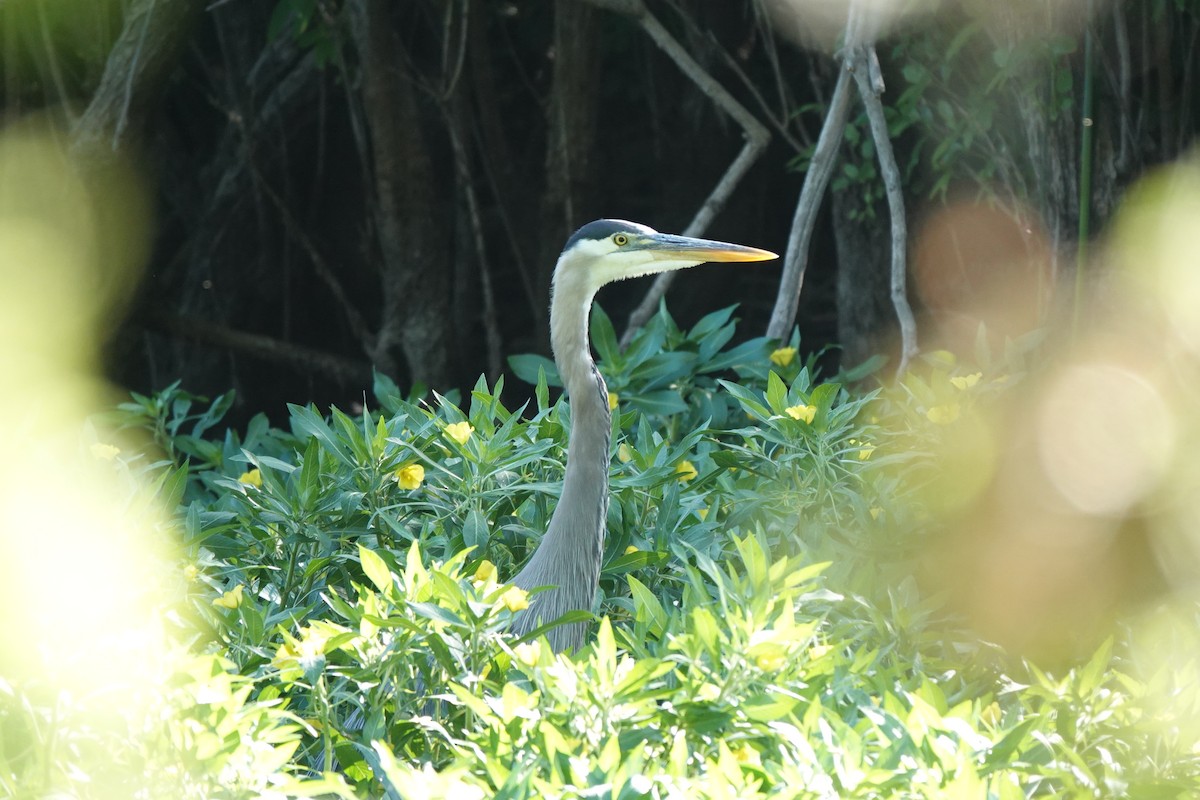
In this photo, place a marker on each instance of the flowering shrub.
(760, 632)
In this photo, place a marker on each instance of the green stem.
(325, 714)
(287, 578)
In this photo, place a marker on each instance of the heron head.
(610, 250)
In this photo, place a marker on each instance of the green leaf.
(754, 351)
(542, 390)
(748, 399)
(824, 396)
(662, 402)
(711, 323)
(769, 707)
(1092, 675)
(529, 366)
(310, 473)
(565, 619)
(171, 485)
(386, 392)
(305, 421)
(664, 369)
(375, 568)
(777, 393)
(435, 612)
(475, 530)
(1002, 752)
(647, 607)
(604, 338)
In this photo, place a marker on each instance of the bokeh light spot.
(1104, 437)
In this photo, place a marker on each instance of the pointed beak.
(684, 248)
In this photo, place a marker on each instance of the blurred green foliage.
(760, 633)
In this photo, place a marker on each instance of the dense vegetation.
(974, 578)
(338, 603)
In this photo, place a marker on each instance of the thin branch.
(491, 326)
(820, 170)
(514, 247)
(56, 77)
(460, 58)
(303, 359)
(123, 119)
(865, 67)
(756, 135)
(1124, 82)
(780, 124)
(139, 63)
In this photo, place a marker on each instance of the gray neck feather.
(569, 555)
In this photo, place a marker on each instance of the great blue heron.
(568, 557)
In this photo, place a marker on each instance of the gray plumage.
(570, 554)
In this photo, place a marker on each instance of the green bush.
(343, 623)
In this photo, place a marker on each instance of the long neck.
(569, 555)
(579, 516)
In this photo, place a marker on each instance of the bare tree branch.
(491, 325)
(756, 135)
(267, 348)
(820, 170)
(860, 61)
(864, 64)
(143, 55)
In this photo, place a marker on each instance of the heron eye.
(620, 239)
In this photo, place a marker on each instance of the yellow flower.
(528, 653)
(702, 513)
(818, 651)
(191, 572)
(865, 452)
(294, 656)
(251, 478)
(515, 599)
(746, 754)
(410, 476)
(231, 599)
(613, 399)
(802, 412)
(459, 432)
(286, 655)
(485, 571)
(104, 452)
(875, 512)
(631, 549)
(965, 382)
(991, 715)
(943, 414)
(624, 453)
(708, 692)
(685, 471)
(783, 356)
(770, 657)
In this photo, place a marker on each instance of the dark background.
(341, 184)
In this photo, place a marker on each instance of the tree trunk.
(571, 133)
(410, 223)
(142, 58)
